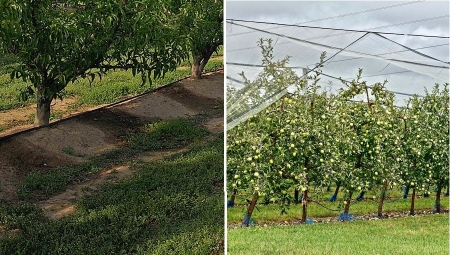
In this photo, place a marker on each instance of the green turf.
(111, 88)
(165, 134)
(271, 212)
(168, 207)
(412, 235)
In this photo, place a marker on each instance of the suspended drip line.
(344, 15)
(231, 21)
(333, 210)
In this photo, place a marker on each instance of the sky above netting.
(375, 36)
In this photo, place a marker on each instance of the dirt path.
(94, 133)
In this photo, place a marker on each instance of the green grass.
(413, 235)
(168, 207)
(163, 134)
(167, 134)
(111, 88)
(271, 212)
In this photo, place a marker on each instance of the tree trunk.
(201, 59)
(197, 69)
(296, 194)
(250, 209)
(413, 197)
(383, 194)
(233, 197)
(347, 205)
(336, 191)
(42, 116)
(438, 198)
(304, 205)
(405, 192)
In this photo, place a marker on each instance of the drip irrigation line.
(231, 21)
(324, 206)
(392, 200)
(348, 14)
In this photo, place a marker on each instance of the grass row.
(369, 205)
(169, 207)
(413, 235)
(166, 134)
(110, 88)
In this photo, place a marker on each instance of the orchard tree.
(434, 121)
(289, 141)
(249, 156)
(58, 42)
(202, 22)
(411, 161)
(265, 88)
(366, 133)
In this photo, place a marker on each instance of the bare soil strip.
(97, 132)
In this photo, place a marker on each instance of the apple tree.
(366, 130)
(434, 122)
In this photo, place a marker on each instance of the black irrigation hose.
(325, 206)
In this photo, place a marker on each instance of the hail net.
(408, 70)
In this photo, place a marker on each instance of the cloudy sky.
(413, 17)
(393, 12)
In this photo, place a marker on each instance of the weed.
(69, 150)
(166, 134)
(170, 207)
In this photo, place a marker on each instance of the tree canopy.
(58, 42)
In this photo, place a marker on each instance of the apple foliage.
(309, 139)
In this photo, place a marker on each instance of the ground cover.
(161, 192)
(412, 235)
(82, 96)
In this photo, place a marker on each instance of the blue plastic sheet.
(309, 221)
(247, 221)
(346, 217)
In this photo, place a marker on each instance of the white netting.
(380, 56)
